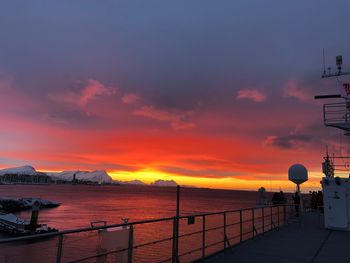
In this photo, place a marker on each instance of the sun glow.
(150, 175)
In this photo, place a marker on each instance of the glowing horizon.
(205, 96)
(148, 176)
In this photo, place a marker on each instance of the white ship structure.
(336, 187)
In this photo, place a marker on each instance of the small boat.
(15, 226)
(11, 205)
(44, 203)
(15, 204)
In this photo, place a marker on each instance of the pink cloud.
(177, 119)
(294, 90)
(251, 94)
(90, 90)
(130, 98)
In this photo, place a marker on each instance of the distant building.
(39, 178)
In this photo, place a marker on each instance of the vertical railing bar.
(263, 220)
(203, 236)
(240, 227)
(177, 224)
(174, 242)
(131, 243)
(253, 226)
(278, 216)
(59, 249)
(271, 217)
(224, 230)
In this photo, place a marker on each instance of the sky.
(212, 94)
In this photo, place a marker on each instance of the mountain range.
(99, 176)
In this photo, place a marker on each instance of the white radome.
(297, 173)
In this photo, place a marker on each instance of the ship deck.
(304, 240)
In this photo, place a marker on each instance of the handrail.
(260, 224)
(334, 113)
(86, 229)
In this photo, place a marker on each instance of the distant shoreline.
(140, 185)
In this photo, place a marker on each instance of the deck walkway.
(304, 241)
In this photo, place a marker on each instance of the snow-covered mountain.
(134, 182)
(167, 183)
(99, 176)
(21, 170)
(94, 176)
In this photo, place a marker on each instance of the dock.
(304, 240)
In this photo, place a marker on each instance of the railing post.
(271, 210)
(253, 226)
(59, 249)
(174, 255)
(175, 252)
(240, 227)
(224, 230)
(263, 220)
(203, 237)
(284, 215)
(278, 215)
(130, 243)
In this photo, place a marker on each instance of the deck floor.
(301, 241)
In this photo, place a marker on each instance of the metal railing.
(336, 113)
(197, 236)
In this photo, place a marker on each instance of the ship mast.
(336, 115)
(339, 63)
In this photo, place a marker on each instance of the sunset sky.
(208, 93)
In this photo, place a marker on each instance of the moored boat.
(15, 226)
(18, 204)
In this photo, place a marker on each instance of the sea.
(83, 204)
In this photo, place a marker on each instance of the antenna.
(324, 64)
(339, 63)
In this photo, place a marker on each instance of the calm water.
(83, 204)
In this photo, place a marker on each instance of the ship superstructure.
(336, 182)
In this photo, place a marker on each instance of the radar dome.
(297, 173)
(262, 190)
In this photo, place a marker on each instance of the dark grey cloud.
(288, 141)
